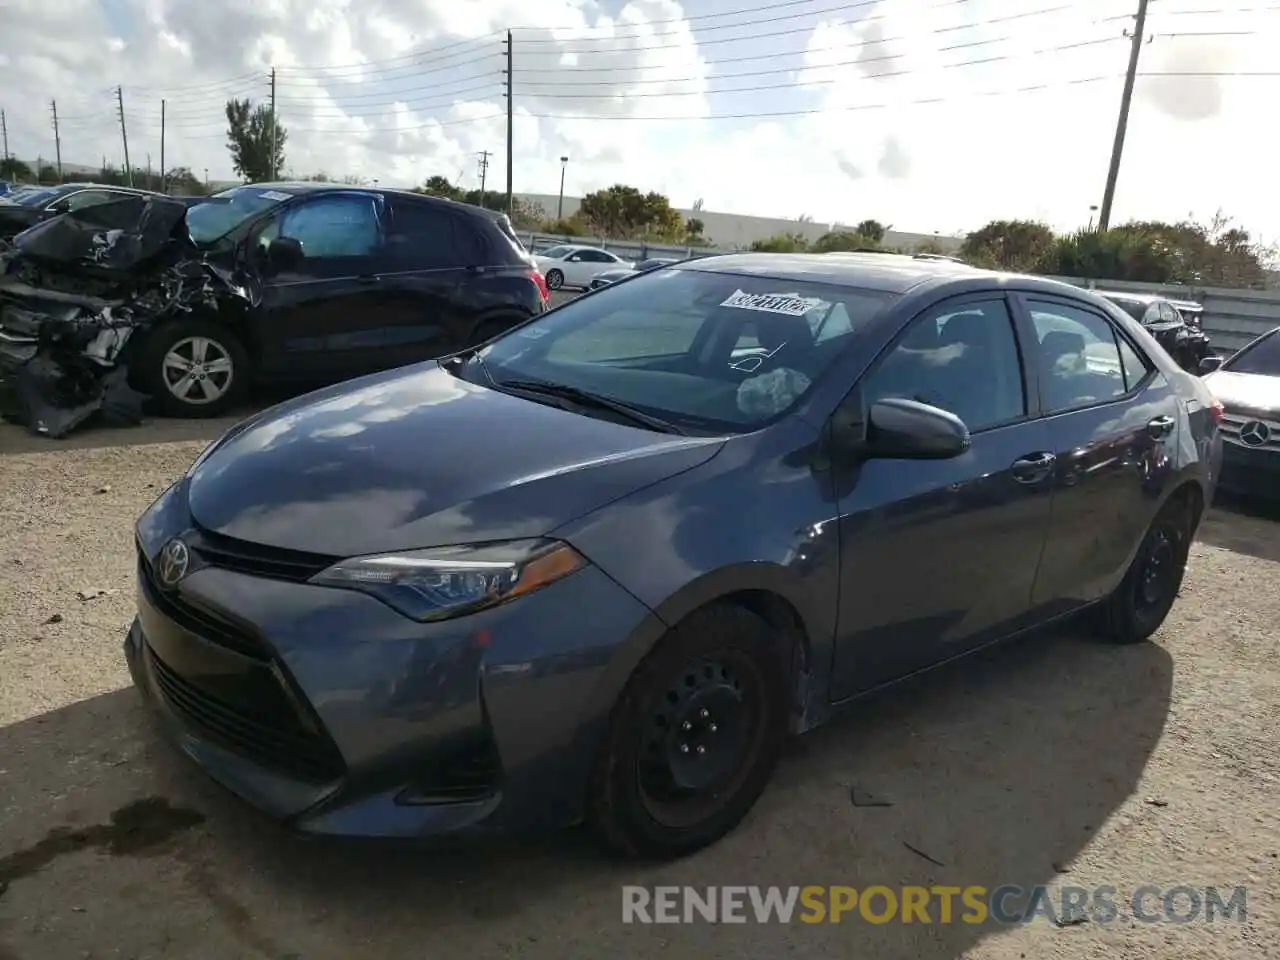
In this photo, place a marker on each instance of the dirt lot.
(1054, 761)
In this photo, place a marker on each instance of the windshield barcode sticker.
(273, 195)
(788, 304)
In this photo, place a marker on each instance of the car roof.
(887, 272)
(1131, 297)
(300, 187)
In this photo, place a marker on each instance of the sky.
(927, 115)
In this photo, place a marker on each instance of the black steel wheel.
(1147, 594)
(694, 737)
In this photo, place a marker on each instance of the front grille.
(1233, 422)
(203, 623)
(308, 757)
(257, 560)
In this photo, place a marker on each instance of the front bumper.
(1248, 472)
(329, 711)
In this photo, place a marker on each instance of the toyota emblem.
(172, 565)
(1254, 433)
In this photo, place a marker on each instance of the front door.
(1113, 419)
(319, 318)
(937, 557)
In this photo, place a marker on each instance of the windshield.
(1262, 358)
(557, 253)
(221, 213)
(714, 351)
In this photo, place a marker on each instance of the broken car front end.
(79, 292)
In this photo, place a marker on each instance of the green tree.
(438, 186)
(844, 240)
(781, 243)
(624, 212)
(249, 138)
(1017, 245)
(566, 227)
(1217, 253)
(48, 174)
(873, 230)
(527, 214)
(1121, 253)
(181, 181)
(11, 168)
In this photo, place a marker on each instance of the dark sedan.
(602, 566)
(1248, 384)
(1176, 324)
(644, 266)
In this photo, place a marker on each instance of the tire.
(1147, 593)
(555, 279)
(163, 378)
(650, 794)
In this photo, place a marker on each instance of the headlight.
(446, 582)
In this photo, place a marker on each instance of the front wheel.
(195, 368)
(1147, 593)
(555, 279)
(694, 737)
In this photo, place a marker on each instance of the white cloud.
(908, 111)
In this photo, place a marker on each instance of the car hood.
(1245, 391)
(418, 458)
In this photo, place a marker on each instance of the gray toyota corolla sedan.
(601, 567)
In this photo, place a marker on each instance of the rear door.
(320, 319)
(1113, 420)
(431, 253)
(937, 557)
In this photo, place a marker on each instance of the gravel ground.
(1056, 760)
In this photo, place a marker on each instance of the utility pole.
(510, 124)
(564, 161)
(162, 166)
(273, 123)
(4, 131)
(124, 136)
(1122, 123)
(57, 139)
(148, 171)
(484, 171)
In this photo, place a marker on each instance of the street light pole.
(560, 205)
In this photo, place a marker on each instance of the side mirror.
(60, 206)
(908, 430)
(1210, 364)
(284, 252)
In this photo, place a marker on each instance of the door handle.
(367, 279)
(1034, 467)
(1160, 427)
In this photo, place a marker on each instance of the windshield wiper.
(471, 353)
(585, 398)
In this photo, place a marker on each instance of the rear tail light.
(543, 290)
(1219, 411)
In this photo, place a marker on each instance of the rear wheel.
(1146, 595)
(694, 737)
(555, 279)
(195, 368)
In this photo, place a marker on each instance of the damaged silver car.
(77, 291)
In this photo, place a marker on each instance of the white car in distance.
(569, 265)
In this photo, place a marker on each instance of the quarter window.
(420, 235)
(962, 359)
(1080, 361)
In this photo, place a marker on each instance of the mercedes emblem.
(172, 564)
(1254, 433)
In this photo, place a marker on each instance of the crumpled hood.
(117, 236)
(1248, 391)
(418, 458)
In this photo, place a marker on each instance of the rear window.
(718, 351)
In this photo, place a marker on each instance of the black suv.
(1174, 323)
(331, 282)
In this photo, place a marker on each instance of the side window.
(420, 235)
(1135, 365)
(90, 198)
(1080, 361)
(335, 226)
(962, 359)
(596, 256)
